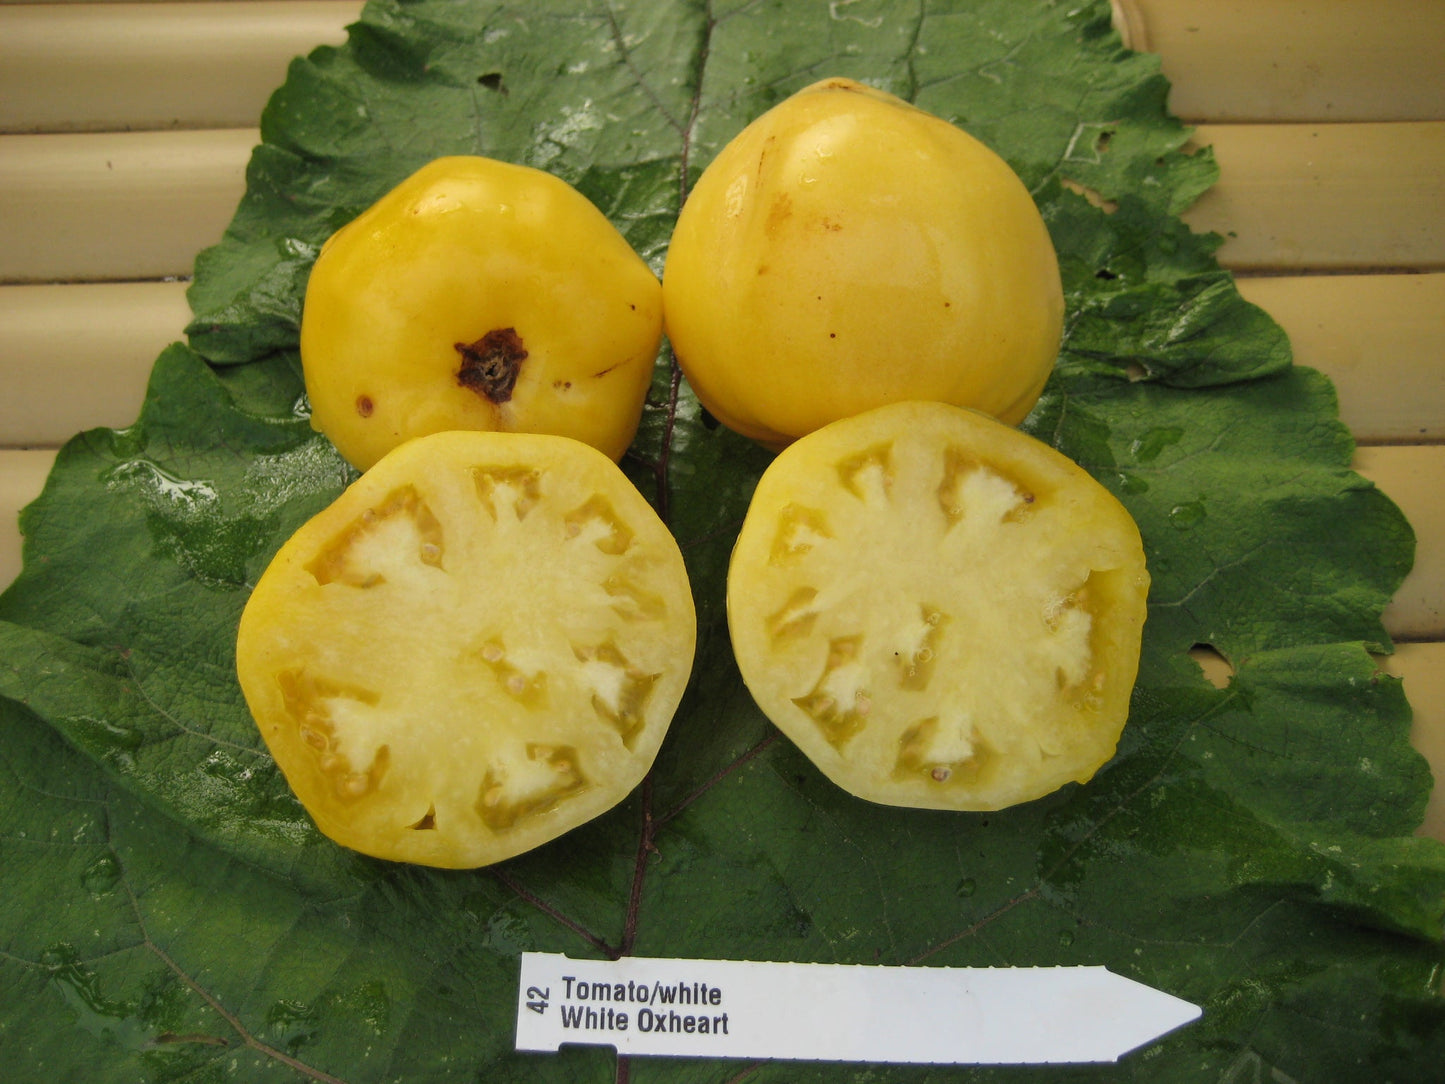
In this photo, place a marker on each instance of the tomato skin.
(478, 294)
(847, 250)
(939, 610)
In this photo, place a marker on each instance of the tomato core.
(491, 364)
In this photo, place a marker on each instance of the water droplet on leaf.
(100, 877)
(1185, 516)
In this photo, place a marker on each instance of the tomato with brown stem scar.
(479, 294)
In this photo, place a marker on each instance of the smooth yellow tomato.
(477, 647)
(848, 250)
(938, 609)
(478, 294)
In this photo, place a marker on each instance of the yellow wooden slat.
(78, 356)
(131, 205)
(108, 65)
(1413, 476)
(1326, 197)
(1380, 338)
(22, 475)
(1291, 198)
(1295, 60)
(1421, 668)
(78, 67)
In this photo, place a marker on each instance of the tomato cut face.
(475, 648)
(938, 609)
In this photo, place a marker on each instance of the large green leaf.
(171, 914)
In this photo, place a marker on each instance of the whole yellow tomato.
(478, 294)
(848, 250)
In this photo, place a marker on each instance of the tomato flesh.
(477, 647)
(938, 609)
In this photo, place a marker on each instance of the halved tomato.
(938, 609)
(476, 648)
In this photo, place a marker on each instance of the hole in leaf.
(427, 822)
(1093, 195)
(1217, 670)
(493, 81)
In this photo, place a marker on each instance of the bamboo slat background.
(125, 129)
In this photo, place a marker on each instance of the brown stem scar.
(491, 364)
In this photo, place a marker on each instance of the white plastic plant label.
(840, 1012)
